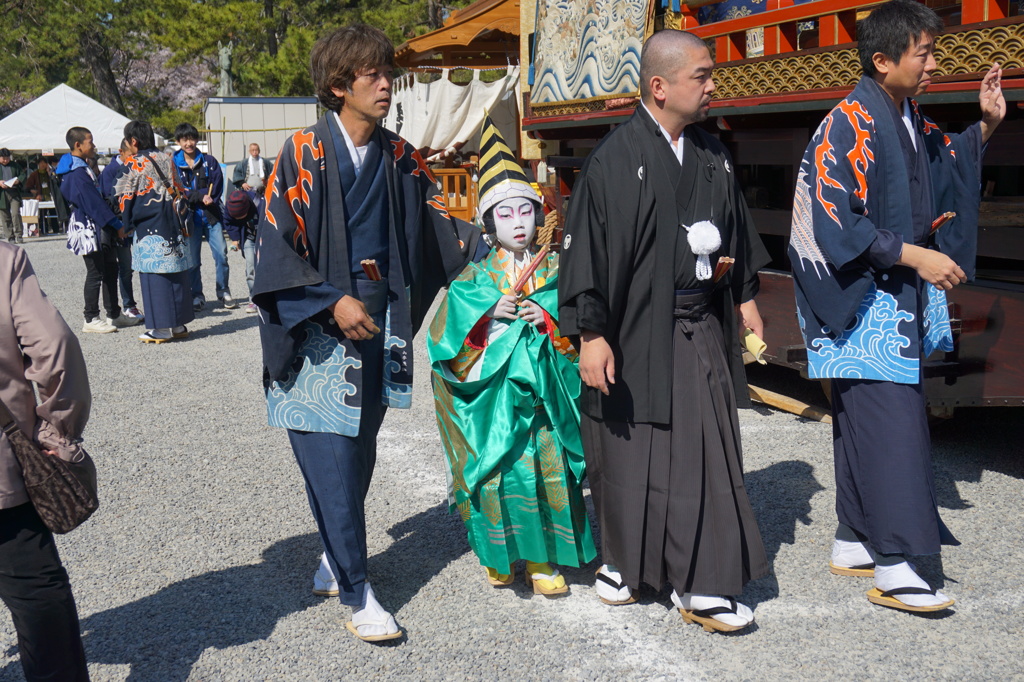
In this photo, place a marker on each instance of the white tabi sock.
(698, 602)
(370, 618)
(323, 579)
(902, 575)
(610, 593)
(325, 568)
(849, 554)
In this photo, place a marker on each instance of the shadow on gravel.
(231, 322)
(974, 441)
(781, 496)
(162, 636)
(424, 545)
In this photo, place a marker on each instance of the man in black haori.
(656, 215)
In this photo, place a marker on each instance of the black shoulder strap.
(163, 178)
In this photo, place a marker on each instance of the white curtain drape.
(443, 116)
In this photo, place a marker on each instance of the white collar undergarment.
(676, 148)
(357, 154)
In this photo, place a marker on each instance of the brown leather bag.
(63, 493)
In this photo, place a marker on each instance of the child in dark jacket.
(241, 218)
(93, 233)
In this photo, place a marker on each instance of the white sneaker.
(228, 302)
(324, 584)
(124, 321)
(98, 326)
(611, 589)
(133, 313)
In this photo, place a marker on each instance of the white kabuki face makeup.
(514, 223)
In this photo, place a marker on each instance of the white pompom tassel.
(704, 239)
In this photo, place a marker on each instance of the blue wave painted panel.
(396, 393)
(314, 397)
(587, 48)
(870, 349)
(154, 254)
(938, 334)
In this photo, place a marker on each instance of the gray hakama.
(166, 299)
(670, 498)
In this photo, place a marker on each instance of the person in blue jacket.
(93, 233)
(204, 184)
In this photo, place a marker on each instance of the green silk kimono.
(506, 394)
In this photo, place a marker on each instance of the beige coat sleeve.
(36, 345)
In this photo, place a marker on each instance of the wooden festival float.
(780, 67)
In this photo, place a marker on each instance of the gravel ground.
(199, 563)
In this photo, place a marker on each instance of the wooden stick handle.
(525, 277)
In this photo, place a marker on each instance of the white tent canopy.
(42, 123)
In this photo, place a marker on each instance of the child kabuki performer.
(506, 388)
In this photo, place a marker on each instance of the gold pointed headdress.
(500, 176)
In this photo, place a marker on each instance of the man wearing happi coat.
(655, 209)
(337, 337)
(506, 388)
(871, 276)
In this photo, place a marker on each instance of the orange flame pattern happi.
(860, 155)
(308, 153)
(401, 148)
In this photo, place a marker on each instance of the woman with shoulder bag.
(37, 346)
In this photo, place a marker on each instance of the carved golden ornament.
(567, 108)
(975, 51)
(788, 74)
(626, 104)
(966, 52)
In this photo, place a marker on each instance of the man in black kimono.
(654, 209)
(337, 337)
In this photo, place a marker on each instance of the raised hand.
(993, 104)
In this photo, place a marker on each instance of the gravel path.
(199, 563)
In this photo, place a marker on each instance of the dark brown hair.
(337, 56)
(892, 29)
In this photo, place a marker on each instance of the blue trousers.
(219, 248)
(249, 251)
(885, 487)
(337, 471)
